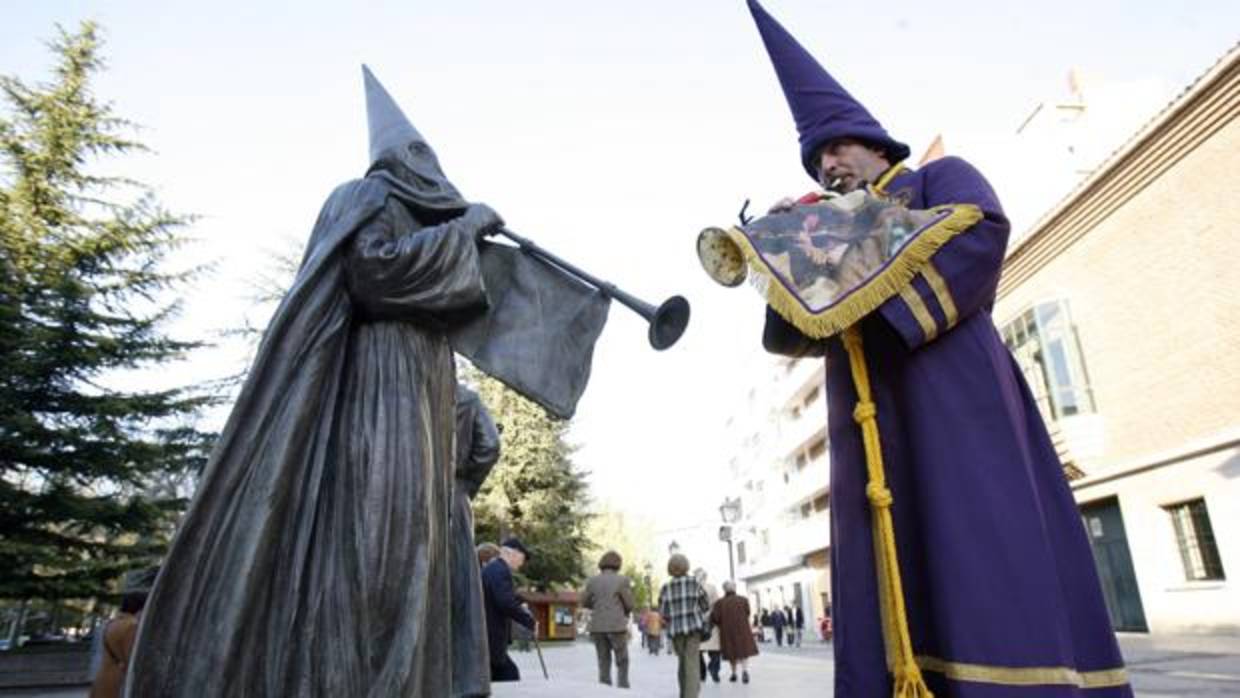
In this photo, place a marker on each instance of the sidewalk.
(1182, 665)
(573, 671)
(1158, 667)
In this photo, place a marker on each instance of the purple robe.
(1002, 595)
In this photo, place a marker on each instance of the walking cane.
(538, 648)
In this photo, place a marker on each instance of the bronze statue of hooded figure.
(477, 451)
(314, 560)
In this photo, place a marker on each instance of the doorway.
(1104, 525)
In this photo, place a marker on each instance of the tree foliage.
(89, 473)
(630, 536)
(534, 492)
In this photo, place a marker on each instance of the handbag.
(707, 628)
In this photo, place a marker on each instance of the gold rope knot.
(879, 496)
(864, 411)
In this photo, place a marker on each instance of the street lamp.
(730, 512)
(649, 568)
(673, 548)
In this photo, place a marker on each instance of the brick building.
(1122, 306)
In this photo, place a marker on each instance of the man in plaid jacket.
(684, 606)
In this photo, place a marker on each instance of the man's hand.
(783, 205)
(788, 203)
(484, 218)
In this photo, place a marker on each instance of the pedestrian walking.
(640, 620)
(778, 623)
(710, 663)
(684, 606)
(654, 631)
(609, 596)
(790, 630)
(798, 622)
(486, 553)
(503, 606)
(119, 634)
(730, 615)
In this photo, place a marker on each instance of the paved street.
(1164, 667)
(786, 673)
(1179, 667)
(1182, 666)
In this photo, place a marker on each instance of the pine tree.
(90, 474)
(534, 492)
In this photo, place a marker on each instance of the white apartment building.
(780, 469)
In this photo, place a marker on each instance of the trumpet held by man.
(829, 261)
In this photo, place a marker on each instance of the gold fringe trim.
(898, 273)
(906, 674)
(1024, 676)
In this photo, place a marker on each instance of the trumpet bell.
(721, 257)
(668, 322)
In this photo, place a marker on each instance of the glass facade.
(1044, 342)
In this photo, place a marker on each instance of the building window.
(809, 399)
(807, 509)
(1195, 538)
(821, 502)
(1044, 342)
(817, 449)
(802, 460)
(740, 553)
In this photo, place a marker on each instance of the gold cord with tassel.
(906, 675)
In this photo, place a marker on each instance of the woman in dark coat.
(731, 616)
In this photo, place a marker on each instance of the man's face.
(845, 165)
(514, 558)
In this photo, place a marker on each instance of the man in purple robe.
(1000, 594)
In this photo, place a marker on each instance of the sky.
(610, 133)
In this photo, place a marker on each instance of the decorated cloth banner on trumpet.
(831, 259)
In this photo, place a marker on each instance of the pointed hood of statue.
(400, 154)
(822, 108)
(389, 127)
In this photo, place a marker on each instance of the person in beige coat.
(609, 596)
(709, 646)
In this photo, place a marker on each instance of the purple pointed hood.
(822, 108)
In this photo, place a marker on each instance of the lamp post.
(649, 568)
(730, 512)
(673, 548)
